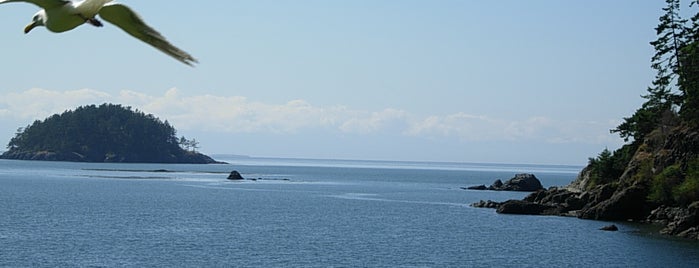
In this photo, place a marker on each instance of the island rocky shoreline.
(606, 202)
(186, 158)
(641, 193)
(676, 221)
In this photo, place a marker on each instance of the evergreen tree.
(689, 58)
(665, 93)
(103, 133)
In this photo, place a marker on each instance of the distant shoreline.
(236, 156)
(187, 158)
(428, 165)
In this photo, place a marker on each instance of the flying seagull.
(62, 15)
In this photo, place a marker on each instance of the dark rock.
(486, 204)
(235, 176)
(597, 195)
(186, 157)
(497, 184)
(678, 221)
(523, 182)
(663, 215)
(574, 203)
(553, 195)
(478, 187)
(565, 201)
(625, 197)
(525, 207)
(625, 204)
(44, 156)
(520, 182)
(610, 228)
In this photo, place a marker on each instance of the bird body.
(90, 8)
(57, 20)
(62, 15)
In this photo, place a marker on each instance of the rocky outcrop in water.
(477, 187)
(525, 208)
(630, 197)
(553, 201)
(235, 176)
(486, 204)
(520, 182)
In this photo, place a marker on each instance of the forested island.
(654, 177)
(104, 133)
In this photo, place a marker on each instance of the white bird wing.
(126, 19)
(45, 4)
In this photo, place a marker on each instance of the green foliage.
(673, 61)
(675, 187)
(641, 123)
(107, 132)
(189, 145)
(644, 174)
(607, 167)
(664, 184)
(688, 191)
(690, 83)
(671, 100)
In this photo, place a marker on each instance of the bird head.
(39, 19)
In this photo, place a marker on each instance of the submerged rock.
(611, 228)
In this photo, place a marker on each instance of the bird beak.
(29, 27)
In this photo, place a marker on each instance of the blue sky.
(452, 80)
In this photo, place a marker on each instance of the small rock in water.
(486, 204)
(235, 176)
(610, 228)
(477, 187)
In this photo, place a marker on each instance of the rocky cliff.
(657, 186)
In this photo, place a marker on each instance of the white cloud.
(369, 122)
(460, 125)
(38, 103)
(235, 114)
(238, 114)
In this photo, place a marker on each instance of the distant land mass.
(105, 133)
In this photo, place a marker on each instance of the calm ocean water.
(302, 213)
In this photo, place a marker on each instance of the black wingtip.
(94, 22)
(190, 62)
